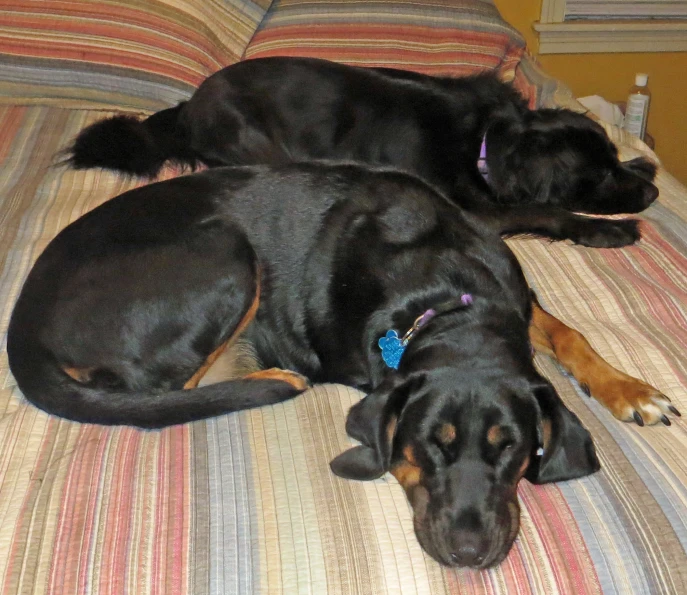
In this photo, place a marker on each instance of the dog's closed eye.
(500, 438)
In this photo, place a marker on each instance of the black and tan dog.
(473, 138)
(315, 263)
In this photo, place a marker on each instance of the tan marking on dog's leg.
(195, 379)
(236, 361)
(296, 380)
(81, 375)
(540, 342)
(624, 396)
(245, 321)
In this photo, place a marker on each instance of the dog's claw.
(630, 399)
(665, 420)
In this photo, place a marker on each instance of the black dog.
(315, 263)
(473, 138)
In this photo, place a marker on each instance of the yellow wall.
(611, 76)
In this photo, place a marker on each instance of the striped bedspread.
(246, 503)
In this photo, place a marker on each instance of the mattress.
(246, 503)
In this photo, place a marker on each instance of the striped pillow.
(142, 54)
(443, 37)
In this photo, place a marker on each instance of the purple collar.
(393, 347)
(482, 166)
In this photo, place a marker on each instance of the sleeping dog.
(473, 138)
(334, 273)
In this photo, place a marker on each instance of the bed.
(246, 503)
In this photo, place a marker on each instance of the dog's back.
(273, 110)
(127, 303)
(472, 137)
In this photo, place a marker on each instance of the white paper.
(605, 110)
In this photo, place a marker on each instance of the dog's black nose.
(467, 555)
(469, 548)
(650, 194)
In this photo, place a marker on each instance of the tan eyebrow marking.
(446, 433)
(495, 435)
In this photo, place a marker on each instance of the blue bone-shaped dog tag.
(392, 349)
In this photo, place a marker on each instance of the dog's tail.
(132, 146)
(53, 390)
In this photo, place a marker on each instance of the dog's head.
(563, 158)
(459, 442)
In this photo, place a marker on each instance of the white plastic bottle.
(637, 109)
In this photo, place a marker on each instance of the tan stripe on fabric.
(268, 536)
(351, 556)
(199, 554)
(294, 558)
(32, 447)
(320, 533)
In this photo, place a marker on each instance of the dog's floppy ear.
(568, 448)
(362, 463)
(371, 421)
(504, 140)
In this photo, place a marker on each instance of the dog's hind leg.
(626, 397)
(222, 347)
(295, 380)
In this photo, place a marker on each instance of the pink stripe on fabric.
(518, 579)
(108, 503)
(644, 259)
(182, 510)
(120, 509)
(76, 517)
(172, 522)
(11, 121)
(660, 294)
(383, 45)
(563, 543)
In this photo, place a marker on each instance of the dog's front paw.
(606, 233)
(630, 399)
